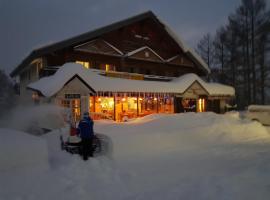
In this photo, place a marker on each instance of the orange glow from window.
(107, 67)
(201, 105)
(85, 64)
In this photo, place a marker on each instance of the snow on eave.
(172, 58)
(50, 85)
(199, 59)
(214, 89)
(109, 44)
(141, 49)
(259, 108)
(217, 89)
(184, 47)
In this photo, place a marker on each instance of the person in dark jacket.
(86, 132)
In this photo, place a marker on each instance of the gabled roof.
(50, 85)
(81, 46)
(96, 33)
(144, 48)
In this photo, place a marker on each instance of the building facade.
(140, 50)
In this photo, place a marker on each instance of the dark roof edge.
(81, 38)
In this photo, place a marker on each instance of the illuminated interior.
(201, 105)
(85, 64)
(122, 106)
(107, 67)
(75, 107)
(189, 105)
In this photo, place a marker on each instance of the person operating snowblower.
(86, 133)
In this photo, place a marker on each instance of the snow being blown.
(35, 119)
(179, 156)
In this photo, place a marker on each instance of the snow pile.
(258, 108)
(180, 156)
(49, 86)
(162, 133)
(20, 150)
(34, 119)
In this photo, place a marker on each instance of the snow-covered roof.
(185, 48)
(258, 108)
(50, 85)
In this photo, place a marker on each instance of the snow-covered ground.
(179, 156)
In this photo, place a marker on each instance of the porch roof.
(50, 85)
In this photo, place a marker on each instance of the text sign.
(72, 96)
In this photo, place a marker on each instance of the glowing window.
(85, 64)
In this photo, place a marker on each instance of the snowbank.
(19, 150)
(258, 108)
(180, 156)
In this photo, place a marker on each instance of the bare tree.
(205, 49)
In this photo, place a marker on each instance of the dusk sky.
(29, 24)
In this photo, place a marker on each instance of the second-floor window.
(85, 64)
(107, 67)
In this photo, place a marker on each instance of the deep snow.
(178, 156)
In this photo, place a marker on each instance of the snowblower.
(73, 145)
(101, 144)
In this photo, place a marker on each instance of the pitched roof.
(95, 33)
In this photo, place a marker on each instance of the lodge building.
(131, 68)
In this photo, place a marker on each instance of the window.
(110, 67)
(107, 67)
(85, 64)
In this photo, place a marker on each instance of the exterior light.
(123, 99)
(155, 99)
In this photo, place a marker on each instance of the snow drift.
(19, 150)
(180, 156)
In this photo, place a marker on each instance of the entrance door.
(76, 109)
(73, 103)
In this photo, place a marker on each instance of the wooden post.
(157, 103)
(114, 117)
(94, 98)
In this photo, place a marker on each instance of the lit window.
(85, 64)
(109, 67)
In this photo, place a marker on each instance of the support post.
(137, 105)
(114, 113)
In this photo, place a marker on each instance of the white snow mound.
(20, 150)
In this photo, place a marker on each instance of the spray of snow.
(35, 119)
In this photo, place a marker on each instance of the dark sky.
(29, 24)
